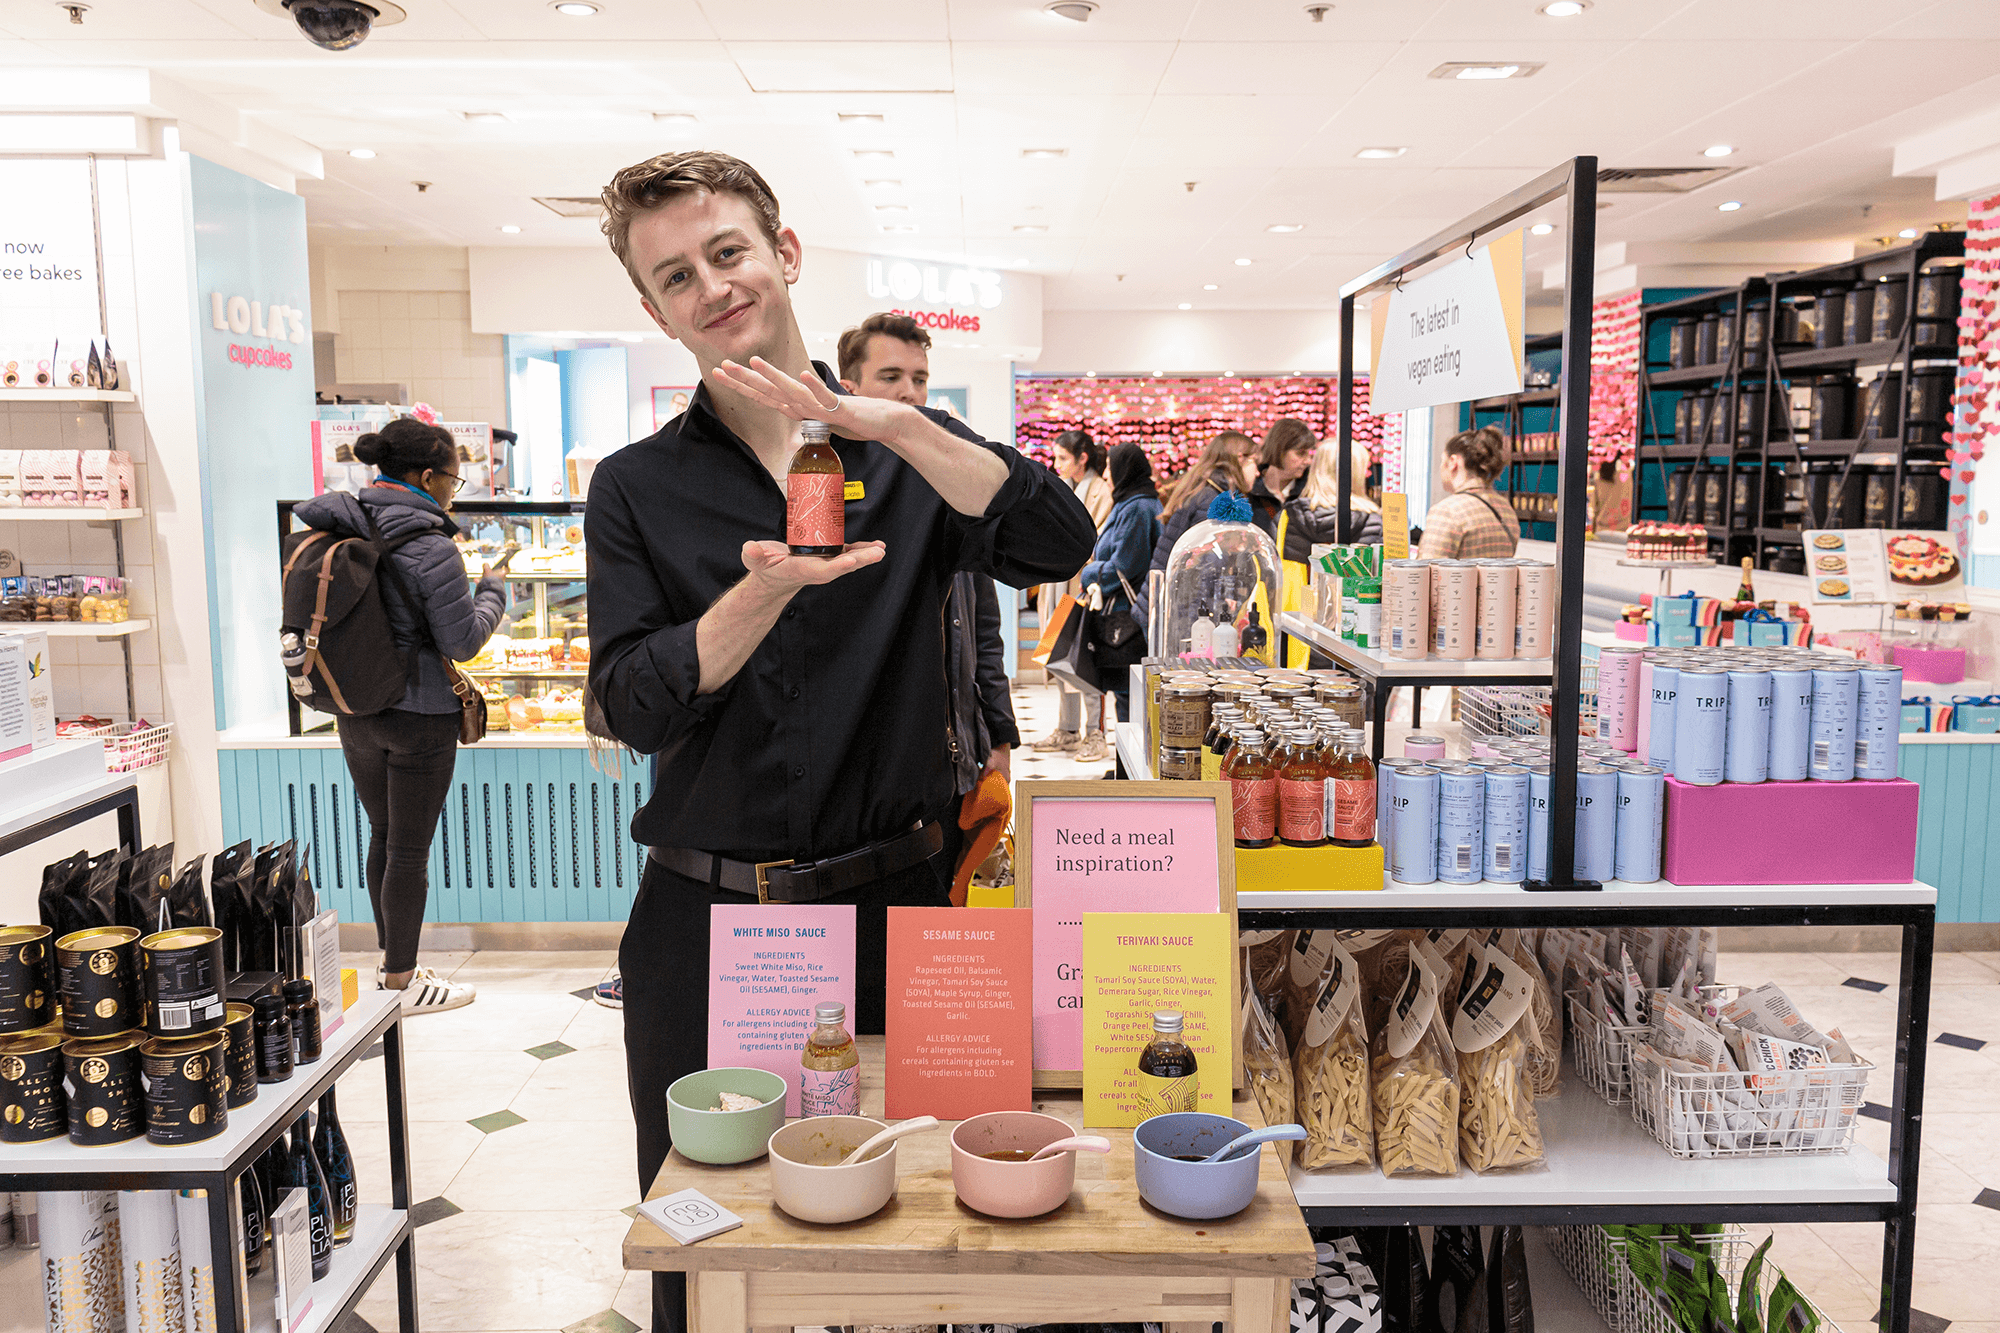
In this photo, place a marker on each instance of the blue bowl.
(1194, 1190)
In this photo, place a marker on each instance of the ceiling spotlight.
(1285, 228)
(892, 208)
(576, 9)
(471, 116)
(1090, 374)
(1479, 69)
(76, 9)
(1156, 374)
(1909, 233)
(883, 183)
(363, 153)
(1208, 286)
(1541, 229)
(676, 118)
(1729, 206)
(1030, 229)
(511, 229)
(1565, 9)
(1076, 11)
(875, 155)
(1243, 263)
(1718, 150)
(1376, 154)
(898, 228)
(1043, 154)
(1229, 374)
(861, 117)
(1186, 305)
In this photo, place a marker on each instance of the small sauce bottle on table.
(830, 1067)
(1167, 1077)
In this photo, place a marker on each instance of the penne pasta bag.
(1330, 1072)
(1414, 1081)
(1267, 1068)
(1497, 1126)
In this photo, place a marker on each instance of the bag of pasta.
(1414, 1078)
(1266, 1067)
(1305, 964)
(1544, 1027)
(1330, 1072)
(1497, 1127)
(1265, 953)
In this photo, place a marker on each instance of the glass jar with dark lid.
(1680, 342)
(1857, 318)
(1881, 406)
(1756, 332)
(1705, 339)
(1829, 326)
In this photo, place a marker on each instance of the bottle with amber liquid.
(1253, 790)
(1215, 746)
(830, 1067)
(1167, 1077)
(1302, 792)
(816, 495)
(1350, 798)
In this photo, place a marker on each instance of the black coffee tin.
(180, 981)
(1681, 342)
(107, 1103)
(99, 979)
(1892, 298)
(1830, 326)
(1705, 339)
(1857, 322)
(240, 1064)
(27, 979)
(1832, 407)
(186, 1097)
(1881, 407)
(32, 1105)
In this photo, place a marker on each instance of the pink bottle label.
(1256, 804)
(815, 509)
(1302, 809)
(830, 1091)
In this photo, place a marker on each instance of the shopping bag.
(1052, 628)
(1073, 659)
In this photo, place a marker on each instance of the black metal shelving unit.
(1515, 482)
(1736, 469)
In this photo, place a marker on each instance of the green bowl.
(722, 1137)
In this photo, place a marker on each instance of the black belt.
(806, 881)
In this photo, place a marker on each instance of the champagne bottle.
(816, 495)
(301, 1171)
(254, 1222)
(338, 1163)
(1746, 593)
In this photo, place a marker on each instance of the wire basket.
(1503, 711)
(1593, 1260)
(1795, 1113)
(1603, 1051)
(1640, 1311)
(141, 747)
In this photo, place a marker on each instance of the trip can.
(180, 981)
(1701, 726)
(1878, 716)
(1642, 796)
(1499, 613)
(1539, 783)
(1535, 613)
(27, 979)
(1660, 723)
(1413, 810)
(101, 1081)
(1836, 690)
(1618, 696)
(1506, 825)
(186, 1088)
(99, 980)
(1385, 788)
(32, 1105)
(1596, 822)
(240, 1065)
(1791, 723)
(1461, 823)
(1747, 748)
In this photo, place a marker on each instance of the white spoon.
(914, 1125)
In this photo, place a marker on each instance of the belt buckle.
(764, 884)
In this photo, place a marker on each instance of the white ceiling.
(1259, 106)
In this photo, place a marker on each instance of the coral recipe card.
(960, 1021)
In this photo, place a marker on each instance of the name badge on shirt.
(854, 491)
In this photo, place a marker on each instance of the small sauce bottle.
(816, 495)
(1167, 1077)
(303, 1011)
(1253, 788)
(274, 1039)
(1220, 740)
(1351, 793)
(830, 1067)
(1301, 792)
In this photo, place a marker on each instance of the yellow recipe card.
(1133, 964)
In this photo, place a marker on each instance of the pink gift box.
(1633, 630)
(1791, 833)
(1935, 666)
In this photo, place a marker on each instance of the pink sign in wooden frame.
(768, 965)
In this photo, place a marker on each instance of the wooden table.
(925, 1258)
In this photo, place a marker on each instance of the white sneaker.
(429, 993)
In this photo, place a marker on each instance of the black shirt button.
(799, 771)
(791, 612)
(795, 691)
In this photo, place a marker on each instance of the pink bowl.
(1011, 1189)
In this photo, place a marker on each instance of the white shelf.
(1130, 738)
(80, 629)
(72, 515)
(277, 1103)
(376, 1232)
(1389, 669)
(1599, 1157)
(1630, 563)
(1617, 893)
(68, 396)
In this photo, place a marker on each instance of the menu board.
(1881, 565)
(1135, 964)
(768, 965)
(959, 1030)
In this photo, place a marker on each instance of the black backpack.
(339, 654)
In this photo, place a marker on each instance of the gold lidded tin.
(99, 980)
(240, 1065)
(32, 1106)
(1183, 716)
(101, 1081)
(186, 1097)
(27, 979)
(181, 981)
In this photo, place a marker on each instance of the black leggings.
(402, 765)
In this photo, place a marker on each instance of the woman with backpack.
(401, 759)
(1124, 552)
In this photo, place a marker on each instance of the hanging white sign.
(1451, 335)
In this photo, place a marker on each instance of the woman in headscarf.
(1118, 567)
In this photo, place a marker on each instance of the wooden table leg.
(1261, 1305)
(717, 1302)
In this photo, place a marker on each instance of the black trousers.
(663, 959)
(401, 764)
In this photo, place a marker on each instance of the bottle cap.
(269, 1006)
(828, 1013)
(815, 432)
(1168, 1021)
(298, 991)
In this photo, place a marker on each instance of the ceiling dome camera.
(335, 25)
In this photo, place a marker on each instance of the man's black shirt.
(834, 733)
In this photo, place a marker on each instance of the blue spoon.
(1254, 1139)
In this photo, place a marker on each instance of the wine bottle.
(270, 1178)
(1745, 593)
(302, 1172)
(254, 1222)
(815, 495)
(338, 1163)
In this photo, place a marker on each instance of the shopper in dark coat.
(401, 759)
(1123, 550)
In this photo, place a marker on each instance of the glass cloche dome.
(1222, 581)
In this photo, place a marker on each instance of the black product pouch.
(1510, 1302)
(265, 895)
(302, 906)
(58, 913)
(143, 883)
(187, 901)
(1455, 1268)
(95, 893)
(226, 873)
(1396, 1255)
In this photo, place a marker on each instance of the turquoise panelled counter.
(1958, 821)
(531, 831)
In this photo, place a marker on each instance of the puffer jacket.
(1175, 525)
(452, 618)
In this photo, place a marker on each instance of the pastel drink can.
(1836, 691)
(1538, 822)
(1498, 609)
(1701, 726)
(1461, 838)
(1596, 821)
(1878, 717)
(1660, 709)
(1506, 826)
(1747, 748)
(1642, 796)
(1413, 816)
(1535, 609)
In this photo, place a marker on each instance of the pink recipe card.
(767, 967)
(1099, 854)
